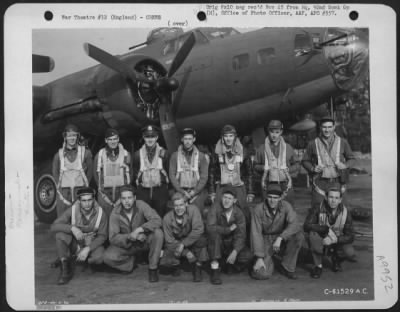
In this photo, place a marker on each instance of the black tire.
(45, 198)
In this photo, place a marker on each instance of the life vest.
(328, 160)
(276, 167)
(340, 221)
(188, 173)
(76, 220)
(230, 167)
(114, 172)
(71, 173)
(151, 171)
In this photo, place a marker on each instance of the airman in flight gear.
(226, 166)
(149, 171)
(226, 231)
(81, 231)
(184, 237)
(111, 171)
(330, 231)
(274, 159)
(188, 170)
(327, 159)
(72, 168)
(275, 232)
(134, 227)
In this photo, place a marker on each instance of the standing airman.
(111, 171)
(188, 170)
(274, 159)
(327, 159)
(72, 168)
(225, 169)
(149, 171)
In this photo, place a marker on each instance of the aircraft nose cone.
(348, 57)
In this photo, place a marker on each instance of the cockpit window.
(203, 35)
(169, 47)
(302, 44)
(218, 33)
(172, 46)
(200, 37)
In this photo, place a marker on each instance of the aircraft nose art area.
(348, 57)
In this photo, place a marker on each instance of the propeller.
(168, 110)
(163, 86)
(110, 61)
(182, 54)
(42, 63)
(120, 67)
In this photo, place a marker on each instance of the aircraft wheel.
(46, 198)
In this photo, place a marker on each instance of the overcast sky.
(66, 47)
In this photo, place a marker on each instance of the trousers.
(199, 250)
(220, 247)
(289, 252)
(61, 206)
(316, 247)
(67, 245)
(107, 208)
(156, 198)
(123, 259)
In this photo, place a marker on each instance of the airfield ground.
(113, 288)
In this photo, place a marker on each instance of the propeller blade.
(168, 125)
(179, 93)
(182, 54)
(110, 61)
(42, 63)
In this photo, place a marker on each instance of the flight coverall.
(95, 236)
(317, 224)
(266, 227)
(111, 171)
(190, 233)
(77, 171)
(151, 177)
(184, 177)
(336, 149)
(121, 252)
(221, 240)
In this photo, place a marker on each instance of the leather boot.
(336, 267)
(176, 270)
(65, 272)
(215, 277)
(153, 275)
(197, 273)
